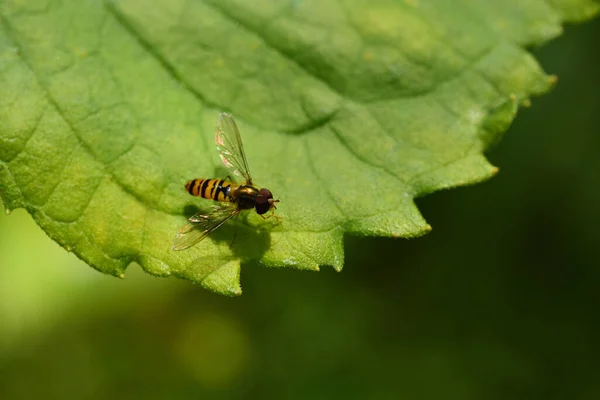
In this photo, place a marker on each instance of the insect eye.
(262, 205)
(265, 193)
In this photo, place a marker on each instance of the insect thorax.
(245, 196)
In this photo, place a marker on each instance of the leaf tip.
(121, 275)
(526, 103)
(495, 171)
(552, 79)
(428, 228)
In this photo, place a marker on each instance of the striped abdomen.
(213, 189)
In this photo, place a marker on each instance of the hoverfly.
(232, 198)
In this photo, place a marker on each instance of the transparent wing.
(230, 148)
(201, 225)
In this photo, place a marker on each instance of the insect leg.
(272, 215)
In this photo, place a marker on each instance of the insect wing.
(230, 148)
(201, 225)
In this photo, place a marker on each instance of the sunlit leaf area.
(349, 110)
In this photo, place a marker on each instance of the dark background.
(499, 301)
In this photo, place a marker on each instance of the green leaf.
(348, 110)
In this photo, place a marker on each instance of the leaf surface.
(348, 111)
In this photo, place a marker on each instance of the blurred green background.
(500, 301)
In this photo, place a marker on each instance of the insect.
(232, 198)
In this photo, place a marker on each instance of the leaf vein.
(283, 53)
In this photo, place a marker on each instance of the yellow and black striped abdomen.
(213, 189)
